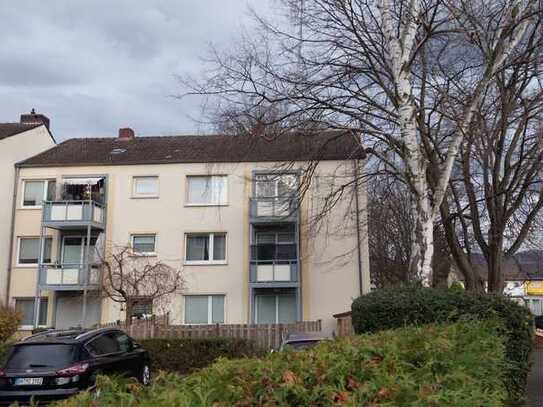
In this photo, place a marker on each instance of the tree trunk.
(128, 316)
(494, 260)
(472, 280)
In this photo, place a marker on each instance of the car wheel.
(145, 378)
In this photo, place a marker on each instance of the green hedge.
(397, 307)
(459, 364)
(184, 355)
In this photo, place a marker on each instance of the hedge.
(184, 355)
(459, 364)
(397, 307)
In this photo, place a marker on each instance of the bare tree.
(497, 196)
(129, 278)
(384, 68)
(389, 227)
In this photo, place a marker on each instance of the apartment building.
(247, 219)
(18, 141)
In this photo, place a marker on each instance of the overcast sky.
(94, 66)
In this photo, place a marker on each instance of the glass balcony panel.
(264, 272)
(58, 212)
(74, 211)
(281, 272)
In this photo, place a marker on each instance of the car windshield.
(300, 345)
(40, 356)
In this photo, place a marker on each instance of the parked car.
(301, 341)
(538, 320)
(54, 365)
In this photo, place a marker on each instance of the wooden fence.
(344, 324)
(268, 336)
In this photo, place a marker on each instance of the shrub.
(10, 320)
(184, 355)
(4, 349)
(437, 365)
(392, 308)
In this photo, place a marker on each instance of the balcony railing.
(69, 276)
(274, 209)
(73, 213)
(276, 271)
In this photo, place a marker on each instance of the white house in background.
(18, 141)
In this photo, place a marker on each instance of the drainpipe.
(12, 233)
(357, 208)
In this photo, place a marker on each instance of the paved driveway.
(535, 380)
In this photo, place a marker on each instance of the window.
(35, 192)
(141, 306)
(29, 248)
(204, 309)
(275, 309)
(104, 345)
(206, 248)
(145, 187)
(144, 244)
(207, 190)
(124, 342)
(26, 307)
(275, 185)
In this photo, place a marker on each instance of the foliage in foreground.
(397, 307)
(10, 320)
(436, 365)
(184, 355)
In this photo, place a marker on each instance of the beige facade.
(13, 149)
(329, 250)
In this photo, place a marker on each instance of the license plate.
(29, 381)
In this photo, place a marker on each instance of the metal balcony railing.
(69, 276)
(73, 212)
(274, 271)
(274, 209)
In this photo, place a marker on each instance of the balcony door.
(74, 249)
(275, 309)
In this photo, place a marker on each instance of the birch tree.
(376, 67)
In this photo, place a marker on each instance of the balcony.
(274, 264)
(274, 209)
(73, 214)
(274, 273)
(69, 277)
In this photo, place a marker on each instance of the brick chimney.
(126, 134)
(35, 118)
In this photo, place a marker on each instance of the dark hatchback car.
(58, 364)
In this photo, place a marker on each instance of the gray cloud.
(95, 66)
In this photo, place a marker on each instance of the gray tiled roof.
(331, 145)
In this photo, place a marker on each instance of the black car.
(54, 365)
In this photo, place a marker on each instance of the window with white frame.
(144, 244)
(204, 309)
(26, 307)
(207, 190)
(29, 249)
(37, 191)
(202, 248)
(145, 187)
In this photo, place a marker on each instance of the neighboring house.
(226, 209)
(18, 141)
(523, 275)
